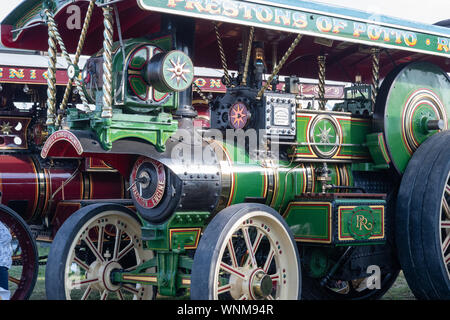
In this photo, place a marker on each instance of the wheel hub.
(256, 285)
(261, 284)
(102, 271)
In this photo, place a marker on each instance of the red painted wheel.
(25, 266)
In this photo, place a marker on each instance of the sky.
(429, 11)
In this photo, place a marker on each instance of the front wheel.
(90, 245)
(247, 252)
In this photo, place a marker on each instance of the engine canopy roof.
(344, 35)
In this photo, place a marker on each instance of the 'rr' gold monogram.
(361, 222)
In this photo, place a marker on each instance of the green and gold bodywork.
(320, 181)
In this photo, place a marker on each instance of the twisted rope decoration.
(321, 60)
(247, 57)
(279, 66)
(53, 29)
(222, 56)
(200, 92)
(51, 80)
(84, 31)
(80, 46)
(107, 62)
(375, 75)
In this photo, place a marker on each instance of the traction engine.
(284, 196)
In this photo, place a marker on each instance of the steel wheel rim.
(241, 275)
(94, 281)
(444, 223)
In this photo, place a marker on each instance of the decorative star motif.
(178, 70)
(324, 134)
(5, 128)
(238, 116)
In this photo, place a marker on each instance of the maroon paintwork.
(38, 191)
(43, 191)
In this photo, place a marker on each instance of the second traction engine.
(46, 192)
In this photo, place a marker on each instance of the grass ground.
(399, 291)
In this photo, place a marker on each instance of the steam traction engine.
(280, 199)
(37, 195)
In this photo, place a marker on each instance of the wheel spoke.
(229, 269)
(104, 295)
(224, 289)
(13, 280)
(445, 224)
(269, 297)
(255, 245)
(125, 250)
(86, 293)
(446, 243)
(249, 247)
(447, 189)
(275, 277)
(232, 253)
(120, 295)
(94, 250)
(269, 260)
(132, 268)
(259, 236)
(116, 243)
(101, 232)
(78, 284)
(447, 259)
(81, 263)
(130, 289)
(446, 208)
(243, 297)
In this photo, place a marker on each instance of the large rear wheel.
(423, 219)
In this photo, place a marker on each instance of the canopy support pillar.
(321, 61)
(375, 75)
(51, 79)
(107, 61)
